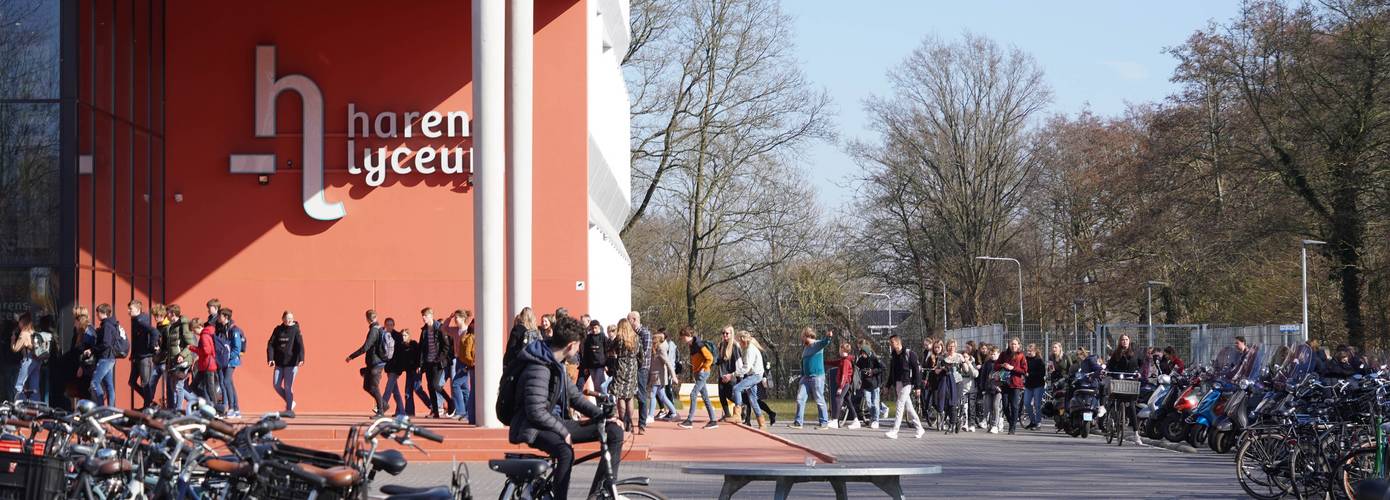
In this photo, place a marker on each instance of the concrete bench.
(887, 478)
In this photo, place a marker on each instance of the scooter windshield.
(1297, 365)
(1228, 363)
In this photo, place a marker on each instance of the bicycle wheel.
(1112, 430)
(1262, 466)
(1359, 466)
(1309, 474)
(1120, 423)
(635, 491)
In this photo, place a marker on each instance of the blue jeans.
(413, 387)
(283, 380)
(871, 398)
(816, 384)
(104, 382)
(393, 392)
(658, 395)
(462, 391)
(26, 385)
(1032, 404)
(749, 384)
(229, 399)
(697, 391)
(643, 409)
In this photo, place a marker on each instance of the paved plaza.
(1040, 464)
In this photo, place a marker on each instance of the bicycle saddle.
(399, 492)
(109, 467)
(341, 476)
(524, 468)
(390, 461)
(229, 467)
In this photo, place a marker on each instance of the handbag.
(1003, 376)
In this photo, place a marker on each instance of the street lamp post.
(1149, 300)
(1020, 286)
(1304, 249)
(1076, 322)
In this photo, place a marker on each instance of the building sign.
(374, 164)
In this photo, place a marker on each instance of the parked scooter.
(1162, 388)
(1223, 435)
(1185, 396)
(1084, 407)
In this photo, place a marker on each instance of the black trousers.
(141, 376)
(851, 408)
(726, 394)
(554, 445)
(434, 377)
(371, 382)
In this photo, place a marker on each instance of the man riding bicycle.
(542, 386)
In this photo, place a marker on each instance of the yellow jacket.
(701, 359)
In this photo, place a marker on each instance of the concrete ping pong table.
(887, 477)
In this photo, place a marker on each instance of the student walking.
(845, 389)
(623, 355)
(727, 361)
(1013, 361)
(435, 356)
(871, 372)
(175, 354)
(395, 367)
(662, 372)
(378, 348)
(461, 335)
(205, 379)
(284, 353)
(144, 341)
(903, 373)
(593, 358)
(812, 376)
(644, 358)
(26, 385)
(235, 340)
(701, 361)
(109, 335)
(1033, 390)
(750, 375)
(990, 389)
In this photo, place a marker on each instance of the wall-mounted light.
(263, 179)
(178, 197)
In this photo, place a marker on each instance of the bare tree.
(954, 157)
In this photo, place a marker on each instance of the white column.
(519, 69)
(489, 205)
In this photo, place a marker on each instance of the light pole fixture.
(1149, 300)
(1076, 322)
(1020, 286)
(1304, 249)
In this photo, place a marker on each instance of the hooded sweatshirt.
(543, 384)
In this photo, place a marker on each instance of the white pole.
(489, 203)
(1149, 299)
(519, 202)
(945, 320)
(1304, 249)
(1021, 324)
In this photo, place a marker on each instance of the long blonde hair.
(747, 338)
(526, 318)
(627, 336)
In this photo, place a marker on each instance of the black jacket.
(870, 371)
(594, 353)
(1124, 362)
(1037, 373)
(107, 333)
(369, 347)
(903, 367)
(729, 364)
(400, 359)
(143, 337)
(286, 346)
(542, 385)
(444, 351)
(517, 339)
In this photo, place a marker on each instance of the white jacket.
(751, 363)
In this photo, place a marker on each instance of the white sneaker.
(993, 430)
(650, 420)
(920, 432)
(873, 425)
(854, 424)
(833, 424)
(892, 434)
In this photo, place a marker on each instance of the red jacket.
(1019, 371)
(846, 372)
(206, 351)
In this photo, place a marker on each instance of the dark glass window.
(29, 210)
(29, 43)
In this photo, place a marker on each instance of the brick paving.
(1032, 464)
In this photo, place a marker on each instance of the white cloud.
(1128, 70)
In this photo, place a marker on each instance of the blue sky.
(1101, 54)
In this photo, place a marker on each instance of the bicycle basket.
(31, 477)
(1119, 387)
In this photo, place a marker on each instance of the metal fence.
(1210, 340)
(1197, 344)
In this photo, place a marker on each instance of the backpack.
(43, 345)
(713, 351)
(120, 346)
(385, 345)
(507, 400)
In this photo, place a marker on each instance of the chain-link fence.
(1197, 344)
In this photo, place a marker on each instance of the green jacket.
(1062, 368)
(176, 340)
